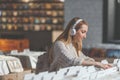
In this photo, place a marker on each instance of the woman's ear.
(72, 32)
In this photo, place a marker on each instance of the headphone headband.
(77, 22)
(73, 31)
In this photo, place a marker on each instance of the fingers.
(110, 65)
(107, 66)
(104, 66)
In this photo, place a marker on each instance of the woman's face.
(81, 33)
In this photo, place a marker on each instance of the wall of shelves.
(34, 20)
(34, 15)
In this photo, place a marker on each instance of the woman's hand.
(101, 65)
(97, 64)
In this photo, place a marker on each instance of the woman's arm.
(90, 61)
(87, 58)
(97, 64)
(63, 57)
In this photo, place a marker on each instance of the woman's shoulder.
(59, 43)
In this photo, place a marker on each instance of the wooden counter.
(7, 45)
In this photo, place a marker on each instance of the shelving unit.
(35, 15)
(26, 18)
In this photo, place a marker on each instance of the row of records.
(52, 13)
(35, 20)
(21, 27)
(31, 6)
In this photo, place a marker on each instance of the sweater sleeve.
(63, 55)
(86, 58)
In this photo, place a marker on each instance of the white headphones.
(73, 30)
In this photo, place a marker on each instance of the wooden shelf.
(37, 12)
(39, 21)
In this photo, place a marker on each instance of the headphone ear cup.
(73, 32)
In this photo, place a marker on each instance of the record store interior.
(37, 42)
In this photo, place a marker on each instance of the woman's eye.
(83, 31)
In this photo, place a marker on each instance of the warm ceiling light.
(26, 0)
(62, 0)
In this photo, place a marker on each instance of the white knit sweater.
(65, 56)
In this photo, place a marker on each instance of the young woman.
(66, 50)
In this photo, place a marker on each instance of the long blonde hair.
(67, 38)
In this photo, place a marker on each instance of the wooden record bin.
(6, 45)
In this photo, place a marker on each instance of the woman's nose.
(84, 36)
